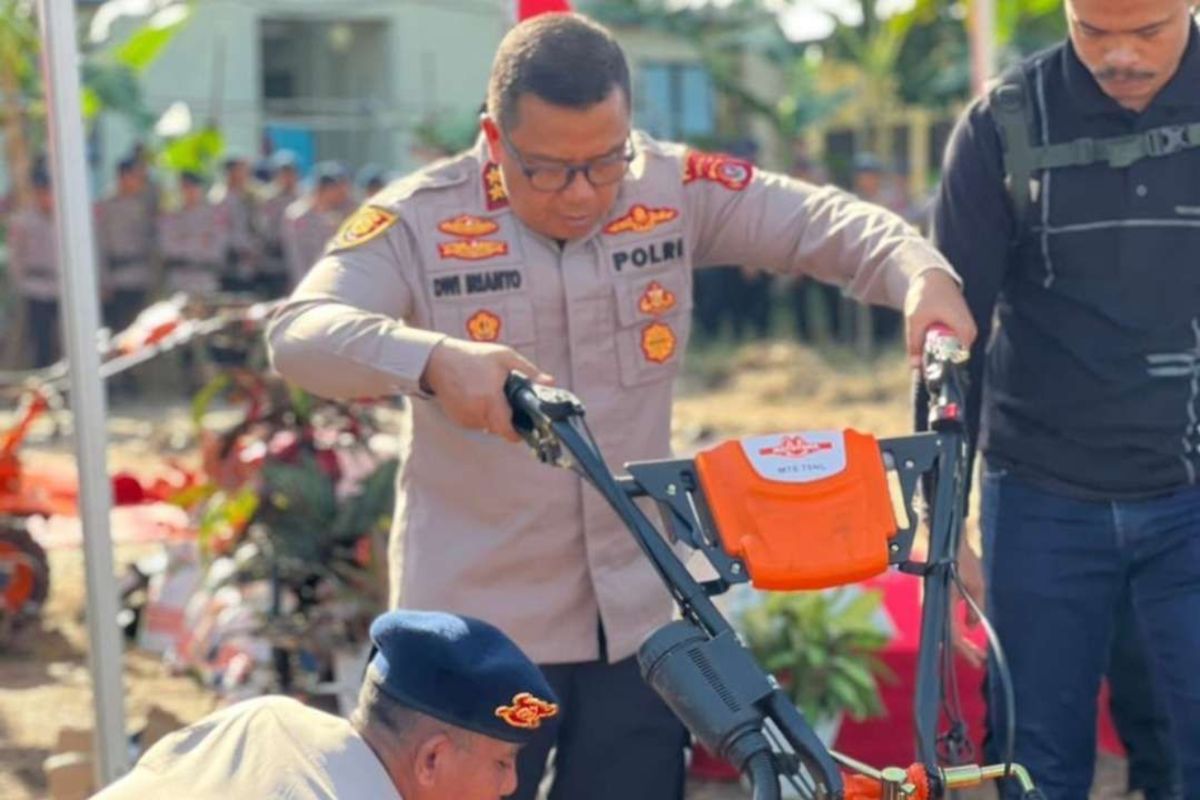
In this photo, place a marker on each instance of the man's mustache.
(1118, 74)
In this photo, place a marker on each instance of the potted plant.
(824, 649)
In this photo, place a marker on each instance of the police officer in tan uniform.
(127, 233)
(563, 245)
(311, 221)
(193, 241)
(33, 269)
(445, 704)
(237, 209)
(285, 190)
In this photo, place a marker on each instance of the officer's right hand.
(467, 380)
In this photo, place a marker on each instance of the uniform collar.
(1179, 92)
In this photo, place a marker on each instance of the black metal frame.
(552, 422)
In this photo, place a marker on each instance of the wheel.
(24, 571)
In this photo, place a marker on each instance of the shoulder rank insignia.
(732, 173)
(467, 226)
(526, 711)
(640, 219)
(493, 187)
(362, 226)
(658, 342)
(472, 249)
(484, 326)
(656, 300)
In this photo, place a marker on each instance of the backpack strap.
(1119, 151)
(1012, 111)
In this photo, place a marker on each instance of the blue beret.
(462, 671)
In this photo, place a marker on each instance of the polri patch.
(732, 173)
(526, 711)
(468, 226)
(494, 193)
(484, 326)
(658, 342)
(656, 299)
(362, 226)
(472, 249)
(640, 219)
(648, 254)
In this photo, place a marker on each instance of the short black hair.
(565, 59)
(127, 165)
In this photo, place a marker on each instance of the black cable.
(1005, 677)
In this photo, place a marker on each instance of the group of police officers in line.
(251, 233)
(257, 231)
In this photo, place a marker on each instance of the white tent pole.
(982, 31)
(73, 217)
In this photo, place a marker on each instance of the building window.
(675, 101)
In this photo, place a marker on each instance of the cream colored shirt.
(269, 747)
(481, 528)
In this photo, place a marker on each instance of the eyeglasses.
(602, 171)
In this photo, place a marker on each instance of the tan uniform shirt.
(481, 528)
(270, 226)
(306, 231)
(126, 231)
(236, 212)
(269, 747)
(193, 243)
(33, 255)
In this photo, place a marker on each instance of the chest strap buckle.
(1167, 141)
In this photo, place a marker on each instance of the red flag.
(527, 9)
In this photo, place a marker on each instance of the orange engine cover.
(801, 510)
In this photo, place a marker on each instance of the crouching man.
(445, 706)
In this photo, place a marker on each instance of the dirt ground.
(44, 680)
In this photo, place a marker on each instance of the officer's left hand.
(935, 297)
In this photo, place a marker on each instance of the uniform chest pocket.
(653, 323)
(497, 319)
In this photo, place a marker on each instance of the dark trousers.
(728, 294)
(119, 314)
(817, 311)
(272, 285)
(1139, 714)
(41, 316)
(1058, 572)
(615, 739)
(122, 309)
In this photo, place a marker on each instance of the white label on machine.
(797, 457)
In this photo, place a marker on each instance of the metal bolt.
(735, 568)
(672, 490)
(909, 464)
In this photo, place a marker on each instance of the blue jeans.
(1057, 570)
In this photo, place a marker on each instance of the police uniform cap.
(264, 170)
(462, 671)
(327, 173)
(371, 173)
(867, 162)
(284, 159)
